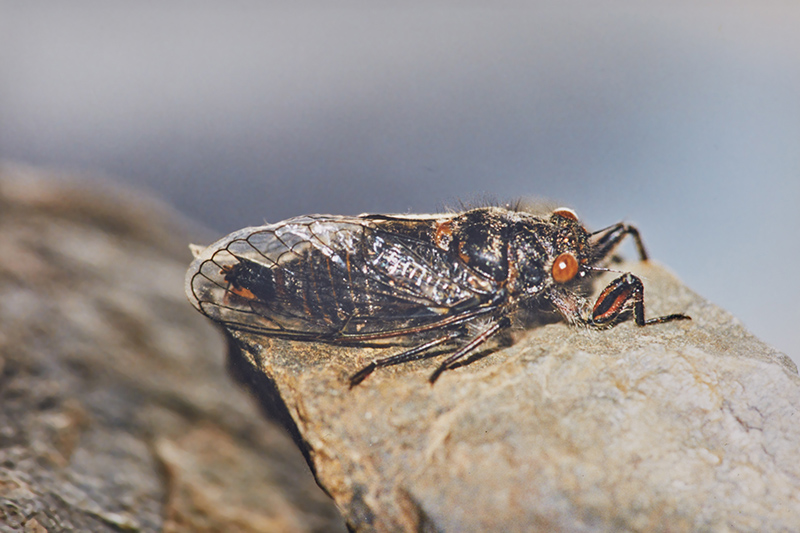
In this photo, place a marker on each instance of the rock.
(116, 409)
(682, 426)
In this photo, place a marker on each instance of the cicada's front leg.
(604, 241)
(625, 294)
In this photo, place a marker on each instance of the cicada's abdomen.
(328, 278)
(290, 278)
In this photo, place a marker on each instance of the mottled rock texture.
(116, 409)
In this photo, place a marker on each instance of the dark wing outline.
(207, 290)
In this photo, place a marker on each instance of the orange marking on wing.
(241, 292)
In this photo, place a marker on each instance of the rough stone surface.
(684, 426)
(116, 409)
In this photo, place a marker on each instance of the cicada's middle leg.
(417, 352)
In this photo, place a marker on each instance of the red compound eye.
(565, 267)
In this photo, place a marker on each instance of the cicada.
(441, 284)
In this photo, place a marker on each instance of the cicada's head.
(571, 257)
(547, 252)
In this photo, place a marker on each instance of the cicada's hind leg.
(479, 339)
(624, 294)
(413, 354)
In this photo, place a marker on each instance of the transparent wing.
(329, 278)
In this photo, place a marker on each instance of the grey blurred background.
(681, 117)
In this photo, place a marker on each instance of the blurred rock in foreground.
(116, 409)
(684, 426)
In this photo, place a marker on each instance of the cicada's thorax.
(479, 239)
(524, 254)
(509, 248)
